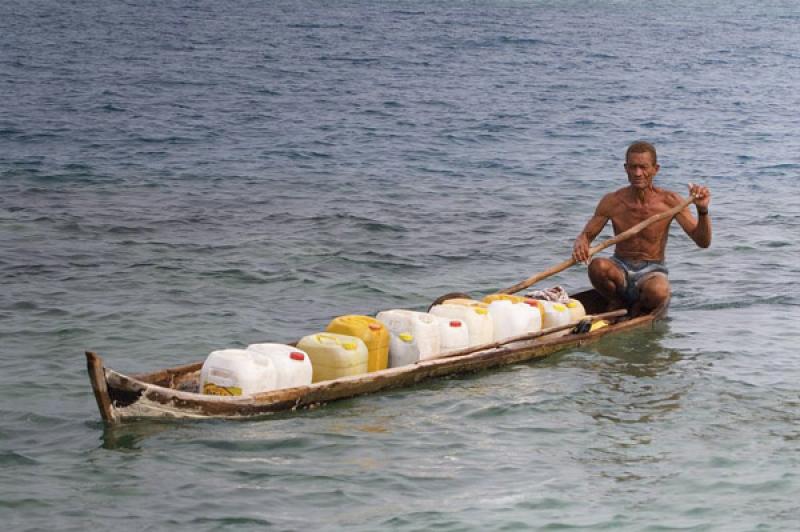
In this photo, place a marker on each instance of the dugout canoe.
(172, 392)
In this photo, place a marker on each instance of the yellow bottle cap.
(559, 307)
(481, 311)
(406, 337)
(572, 303)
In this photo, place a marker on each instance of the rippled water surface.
(179, 177)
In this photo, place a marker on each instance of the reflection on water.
(638, 353)
(637, 390)
(129, 436)
(634, 378)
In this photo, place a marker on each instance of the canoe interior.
(187, 378)
(172, 392)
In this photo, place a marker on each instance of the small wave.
(297, 154)
(24, 305)
(351, 60)
(128, 230)
(775, 244)
(782, 166)
(525, 41)
(289, 443)
(72, 332)
(439, 103)
(9, 132)
(111, 108)
(379, 227)
(381, 260)
(29, 269)
(236, 274)
(600, 55)
(314, 26)
(171, 139)
(235, 523)
(745, 300)
(37, 137)
(359, 221)
(11, 458)
(361, 289)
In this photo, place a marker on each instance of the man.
(636, 276)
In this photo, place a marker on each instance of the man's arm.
(580, 251)
(698, 230)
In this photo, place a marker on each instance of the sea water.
(181, 177)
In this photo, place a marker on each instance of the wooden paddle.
(636, 229)
(531, 336)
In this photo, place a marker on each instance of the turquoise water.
(182, 177)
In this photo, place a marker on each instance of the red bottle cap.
(297, 355)
(374, 326)
(455, 323)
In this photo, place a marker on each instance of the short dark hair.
(641, 146)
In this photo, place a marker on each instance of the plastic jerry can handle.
(327, 338)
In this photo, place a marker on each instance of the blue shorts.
(635, 271)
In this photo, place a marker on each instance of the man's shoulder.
(610, 204)
(615, 197)
(670, 197)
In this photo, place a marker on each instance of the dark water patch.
(236, 275)
(24, 305)
(297, 444)
(297, 155)
(470, 255)
(20, 504)
(362, 289)
(30, 270)
(524, 41)
(9, 132)
(378, 227)
(317, 26)
(167, 140)
(351, 60)
(12, 458)
(52, 313)
(379, 260)
(225, 523)
(775, 244)
(112, 108)
(129, 230)
(269, 92)
(410, 13)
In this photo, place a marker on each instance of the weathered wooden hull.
(171, 393)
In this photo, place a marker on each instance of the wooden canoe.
(172, 392)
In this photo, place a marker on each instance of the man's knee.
(605, 270)
(654, 290)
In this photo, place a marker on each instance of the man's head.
(641, 165)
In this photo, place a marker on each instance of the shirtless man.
(636, 276)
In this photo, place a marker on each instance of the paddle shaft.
(625, 235)
(531, 336)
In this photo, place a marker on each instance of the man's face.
(641, 170)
